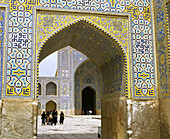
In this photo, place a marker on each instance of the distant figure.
(55, 117)
(61, 117)
(43, 118)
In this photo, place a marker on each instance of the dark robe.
(61, 118)
(43, 118)
(55, 117)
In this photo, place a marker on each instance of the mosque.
(119, 58)
(75, 89)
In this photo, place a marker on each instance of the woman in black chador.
(61, 117)
(43, 118)
(55, 117)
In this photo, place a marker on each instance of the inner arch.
(86, 38)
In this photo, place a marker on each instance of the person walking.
(43, 118)
(61, 117)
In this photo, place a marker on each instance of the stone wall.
(165, 118)
(114, 118)
(19, 119)
(145, 119)
(113, 99)
(143, 123)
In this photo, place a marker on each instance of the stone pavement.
(75, 127)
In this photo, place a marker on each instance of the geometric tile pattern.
(142, 39)
(64, 87)
(2, 28)
(162, 15)
(20, 41)
(19, 49)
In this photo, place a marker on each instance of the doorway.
(50, 106)
(88, 101)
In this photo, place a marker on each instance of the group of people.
(51, 117)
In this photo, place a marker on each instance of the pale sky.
(48, 66)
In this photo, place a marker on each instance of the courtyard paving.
(75, 127)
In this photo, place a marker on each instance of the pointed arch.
(51, 105)
(51, 88)
(71, 24)
(88, 38)
(88, 101)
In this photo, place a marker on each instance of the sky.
(48, 66)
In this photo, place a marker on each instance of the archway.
(87, 75)
(109, 57)
(88, 101)
(50, 106)
(51, 88)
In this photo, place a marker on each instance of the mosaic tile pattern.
(20, 40)
(64, 87)
(47, 23)
(19, 49)
(2, 28)
(163, 46)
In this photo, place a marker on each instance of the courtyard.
(74, 127)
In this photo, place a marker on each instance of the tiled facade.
(21, 39)
(127, 40)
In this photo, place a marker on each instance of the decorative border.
(6, 9)
(154, 62)
(161, 37)
(168, 39)
(2, 37)
(168, 32)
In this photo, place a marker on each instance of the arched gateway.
(108, 55)
(127, 40)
